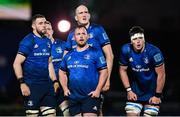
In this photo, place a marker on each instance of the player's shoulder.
(60, 41)
(28, 36)
(95, 26)
(93, 49)
(72, 31)
(27, 39)
(126, 48)
(69, 53)
(152, 48)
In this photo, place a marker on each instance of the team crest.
(49, 45)
(58, 50)
(87, 56)
(146, 60)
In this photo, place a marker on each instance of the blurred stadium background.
(159, 18)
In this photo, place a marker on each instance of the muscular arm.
(64, 82)
(17, 65)
(103, 74)
(52, 74)
(125, 80)
(109, 59)
(124, 76)
(160, 78)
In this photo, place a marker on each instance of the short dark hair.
(81, 26)
(37, 16)
(135, 29)
(48, 22)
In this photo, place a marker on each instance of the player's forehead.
(80, 30)
(81, 8)
(38, 20)
(137, 36)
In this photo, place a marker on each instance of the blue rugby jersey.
(97, 38)
(142, 68)
(83, 69)
(57, 51)
(37, 52)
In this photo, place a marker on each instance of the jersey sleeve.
(100, 60)
(63, 65)
(26, 46)
(157, 57)
(68, 45)
(123, 58)
(102, 36)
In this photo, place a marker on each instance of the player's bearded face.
(40, 26)
(81, 37)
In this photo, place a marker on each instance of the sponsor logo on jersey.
(138, 66)
(44, 50)
(140, 70)
(76, 62)
(43, 53)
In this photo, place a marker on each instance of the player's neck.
(80, 49)
(37, 34)
(85, 25)
(52, 39)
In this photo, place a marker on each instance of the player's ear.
(89, 16)
(75, 18)
(33, 26)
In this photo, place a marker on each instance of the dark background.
(159, 18)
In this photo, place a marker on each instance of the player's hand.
(67, 92)
(155, 100)
(56, 87)
(131, 96)
(94, 94)
(25, 89)
(106, 86)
